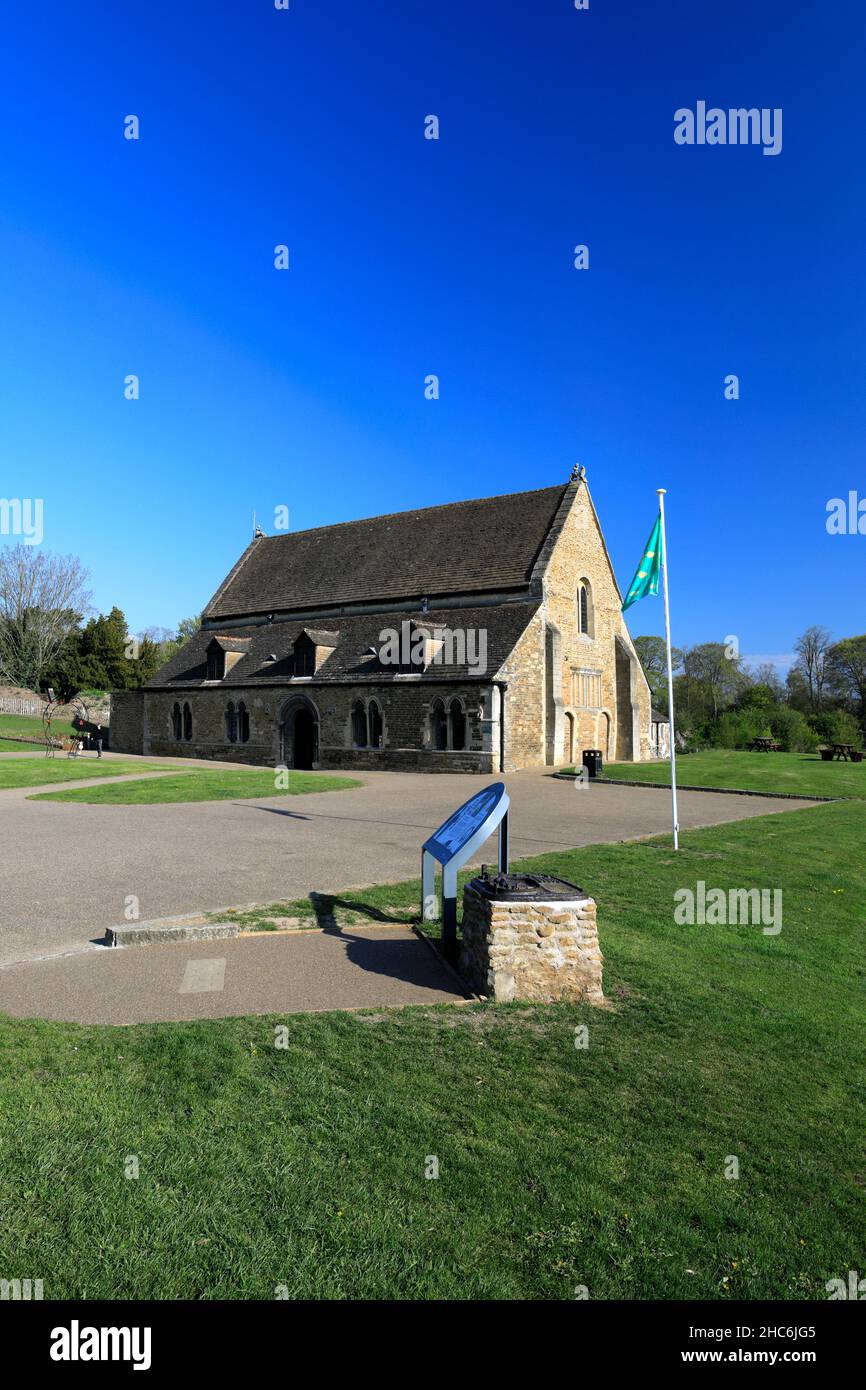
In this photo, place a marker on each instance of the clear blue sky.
(305, 388)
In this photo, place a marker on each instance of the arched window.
(176, 725)
(231, 723)
(374, 716)
(359, 725)
(457, 721)
(187, 721)
(438, 726)
(585, 617)
(243, 723)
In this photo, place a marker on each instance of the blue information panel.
(465, 823)
(455, 842)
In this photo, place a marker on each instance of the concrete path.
(351, 968)
(67, 870)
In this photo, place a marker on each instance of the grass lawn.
(803, 774)
(36, 772)
(29, 726)
(200, 784)
(558, 1166)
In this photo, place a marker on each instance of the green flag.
(646, 579)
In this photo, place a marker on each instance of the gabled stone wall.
(590, 704)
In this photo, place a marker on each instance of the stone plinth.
(537, 950)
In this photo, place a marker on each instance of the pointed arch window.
(457, 725)
(374, 720)
(359, 725)
(243, 723)
(187, 721)
(176, 722)
(231, 723)
(585, 614)
(438, 726)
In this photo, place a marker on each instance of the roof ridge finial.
(578, 474)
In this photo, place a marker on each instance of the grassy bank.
(801, 774)
(30, 726)
(304, 1166)
(37, 772)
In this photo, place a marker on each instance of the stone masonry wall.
(538, 951)
(523, 701)
(126, 722)
(144, 725)
(618, 726)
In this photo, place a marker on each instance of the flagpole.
(674, 818)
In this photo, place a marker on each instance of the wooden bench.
(764, 745)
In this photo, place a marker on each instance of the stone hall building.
(480, 636)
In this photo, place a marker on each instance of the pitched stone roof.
(350, 661)
(486, 545)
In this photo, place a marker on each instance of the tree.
(758, 696)
(169, 644)
(846, 670)
(652, 654)
(42, 600)
(145, 664)
(767, 676)
(812, 650)
(103, 650)
(713, 678)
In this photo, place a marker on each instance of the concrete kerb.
(196, 926)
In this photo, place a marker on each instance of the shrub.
(837, 726)
(736, 728)
(790, 728)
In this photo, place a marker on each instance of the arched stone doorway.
(298, 734)
(569, 739)
(604, 739)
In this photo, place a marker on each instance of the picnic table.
(842, 752)
(764, 745)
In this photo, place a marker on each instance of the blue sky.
(305, 388)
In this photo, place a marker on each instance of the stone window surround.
(584, 587)
(447, 702)
(364, 705)
(235, 721)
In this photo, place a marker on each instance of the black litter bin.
(592, 761)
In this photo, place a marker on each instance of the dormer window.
(305, 657)
(223, 654)
(216, 663)
(311, 649)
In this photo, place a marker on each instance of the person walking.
(98, 737)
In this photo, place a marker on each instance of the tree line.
(720, 702)
(49, 637)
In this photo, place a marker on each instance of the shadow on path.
(411, 961)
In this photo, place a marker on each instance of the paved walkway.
(308, 972)
(67, 869)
